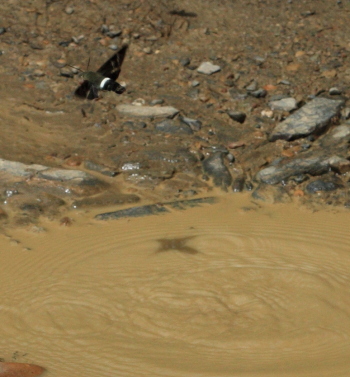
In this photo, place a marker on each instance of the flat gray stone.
(169, 126)
(312, 117)
(155, 209)
(284, 104)
(208, 68)
(312, 165)
(148, 111)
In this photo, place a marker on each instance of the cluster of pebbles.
(207, 104)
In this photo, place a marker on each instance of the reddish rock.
(20, 370)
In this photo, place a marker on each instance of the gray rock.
(194, 124)
(334, 91)
(185, 61)
(313, 166)
(313, 117)
(171, 127)
(214, 166)
(260, 93)
(208, 68)
(237, 116)
(284, 104)
(147, 111)
(20, 170)
(323, 185)
(155, 209)
(252, 86)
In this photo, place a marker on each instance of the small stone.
(267, 113)
(147, 111)
(147, 50)
(284, 104)
(194, 124)
(260, 93)
(113, 47)
(2, 30)
(321, 185)
(237, 116)
(69, 10)
(334, 91)
(157, 101)
(185, 61)
(195, 83)
(208, 68)
(171, 127)
(252, 86)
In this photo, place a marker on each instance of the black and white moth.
(104, 78)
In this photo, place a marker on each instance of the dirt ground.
(304, 43)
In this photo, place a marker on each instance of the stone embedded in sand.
(20, 370)
(148, 111)
(208, 68)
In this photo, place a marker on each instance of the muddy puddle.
(228, 289)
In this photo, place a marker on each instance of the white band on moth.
(103, 82)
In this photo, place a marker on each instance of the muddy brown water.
(230, 289)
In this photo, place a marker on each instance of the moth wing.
(112, 67)
(86, 90)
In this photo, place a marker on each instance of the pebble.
(195, 83)
(260, 93)
(334, 91)
(252, 86)
(147, 50)
(169, 126)
(158, 101)
(237, 116)
(322, 185)
(147, 111)
(185, 61)
(69, 10)
(194, 124)
(208, 68)
(2, 30)
(313, 117)
(284, 104)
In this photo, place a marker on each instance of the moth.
(104, 78)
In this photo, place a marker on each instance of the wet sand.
(231, 289)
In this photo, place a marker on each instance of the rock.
(284, 104)
(252, 86)
(214, 166)
(237, 116)
(89, 165)
(208, 68)
(334, 91)
(158, 101)
(323, 185)
(194, 124)
(312, 165)
(339, 164)
(20, 370)
(171, 127)
(148, 111)
(260, 93)
(155, 209)
(313, 117)
(185, 61)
